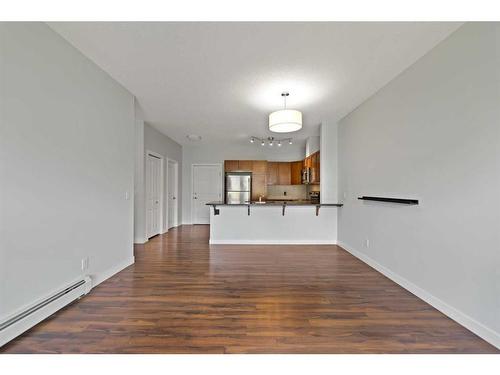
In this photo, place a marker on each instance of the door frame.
(176, 214)
(192, 182)
(162, 191)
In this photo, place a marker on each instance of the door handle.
(195, 198)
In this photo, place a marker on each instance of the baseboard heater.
(24, 320)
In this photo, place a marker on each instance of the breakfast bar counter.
(273, 223)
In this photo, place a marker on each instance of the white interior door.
(172, 176)
(207, 187)
(154, 193)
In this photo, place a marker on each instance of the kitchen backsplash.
(313, 187)
(292, 192)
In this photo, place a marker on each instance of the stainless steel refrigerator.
(238, 187)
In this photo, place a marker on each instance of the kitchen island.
(273, 223)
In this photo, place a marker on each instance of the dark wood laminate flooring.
(184, 296)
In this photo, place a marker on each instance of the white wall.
(312, 145)
(139, 178)
(329, 162)
(66, 165)
(217, 153)
(168, 148)
(433, 133)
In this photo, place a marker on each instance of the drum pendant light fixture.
(285, 120)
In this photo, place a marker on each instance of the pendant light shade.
(285, 120)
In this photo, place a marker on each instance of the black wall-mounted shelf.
(391, 200)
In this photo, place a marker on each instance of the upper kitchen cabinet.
(231, 165)
(315, 168)
(284, 173)
(238, 165)
(272, 173)
(279, 173)
(308, 162)
(245, 165)
(296, 172)
(259, 166)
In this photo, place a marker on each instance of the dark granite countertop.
(277, 203)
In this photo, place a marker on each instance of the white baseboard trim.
(272, 242)
(461, 318)
(97, 279)
(140, 241)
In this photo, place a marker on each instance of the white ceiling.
(221, 80)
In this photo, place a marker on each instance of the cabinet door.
(296, 172)
(230, 165)
(259, 187)
(284, 173)
(245, 165)
(272, 173)
(259, 166)
(313, 168)
(317, 167)
(308, 162)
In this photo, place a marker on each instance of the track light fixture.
(271, 141)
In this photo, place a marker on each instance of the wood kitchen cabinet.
(284, 173)
(308, 162)
(275, 173)
(296, 172)
(245, 165)
(259, 179)
(259, 166)
(259, 186)
(315, 167)
(279, 173)
(272, 173)
(231, 165)
(318, 167)
(238, 165)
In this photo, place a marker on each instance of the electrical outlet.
(367, 243)
(127, 196)
(344, 195)
(85, 263)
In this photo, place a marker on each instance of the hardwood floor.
(184, 296)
